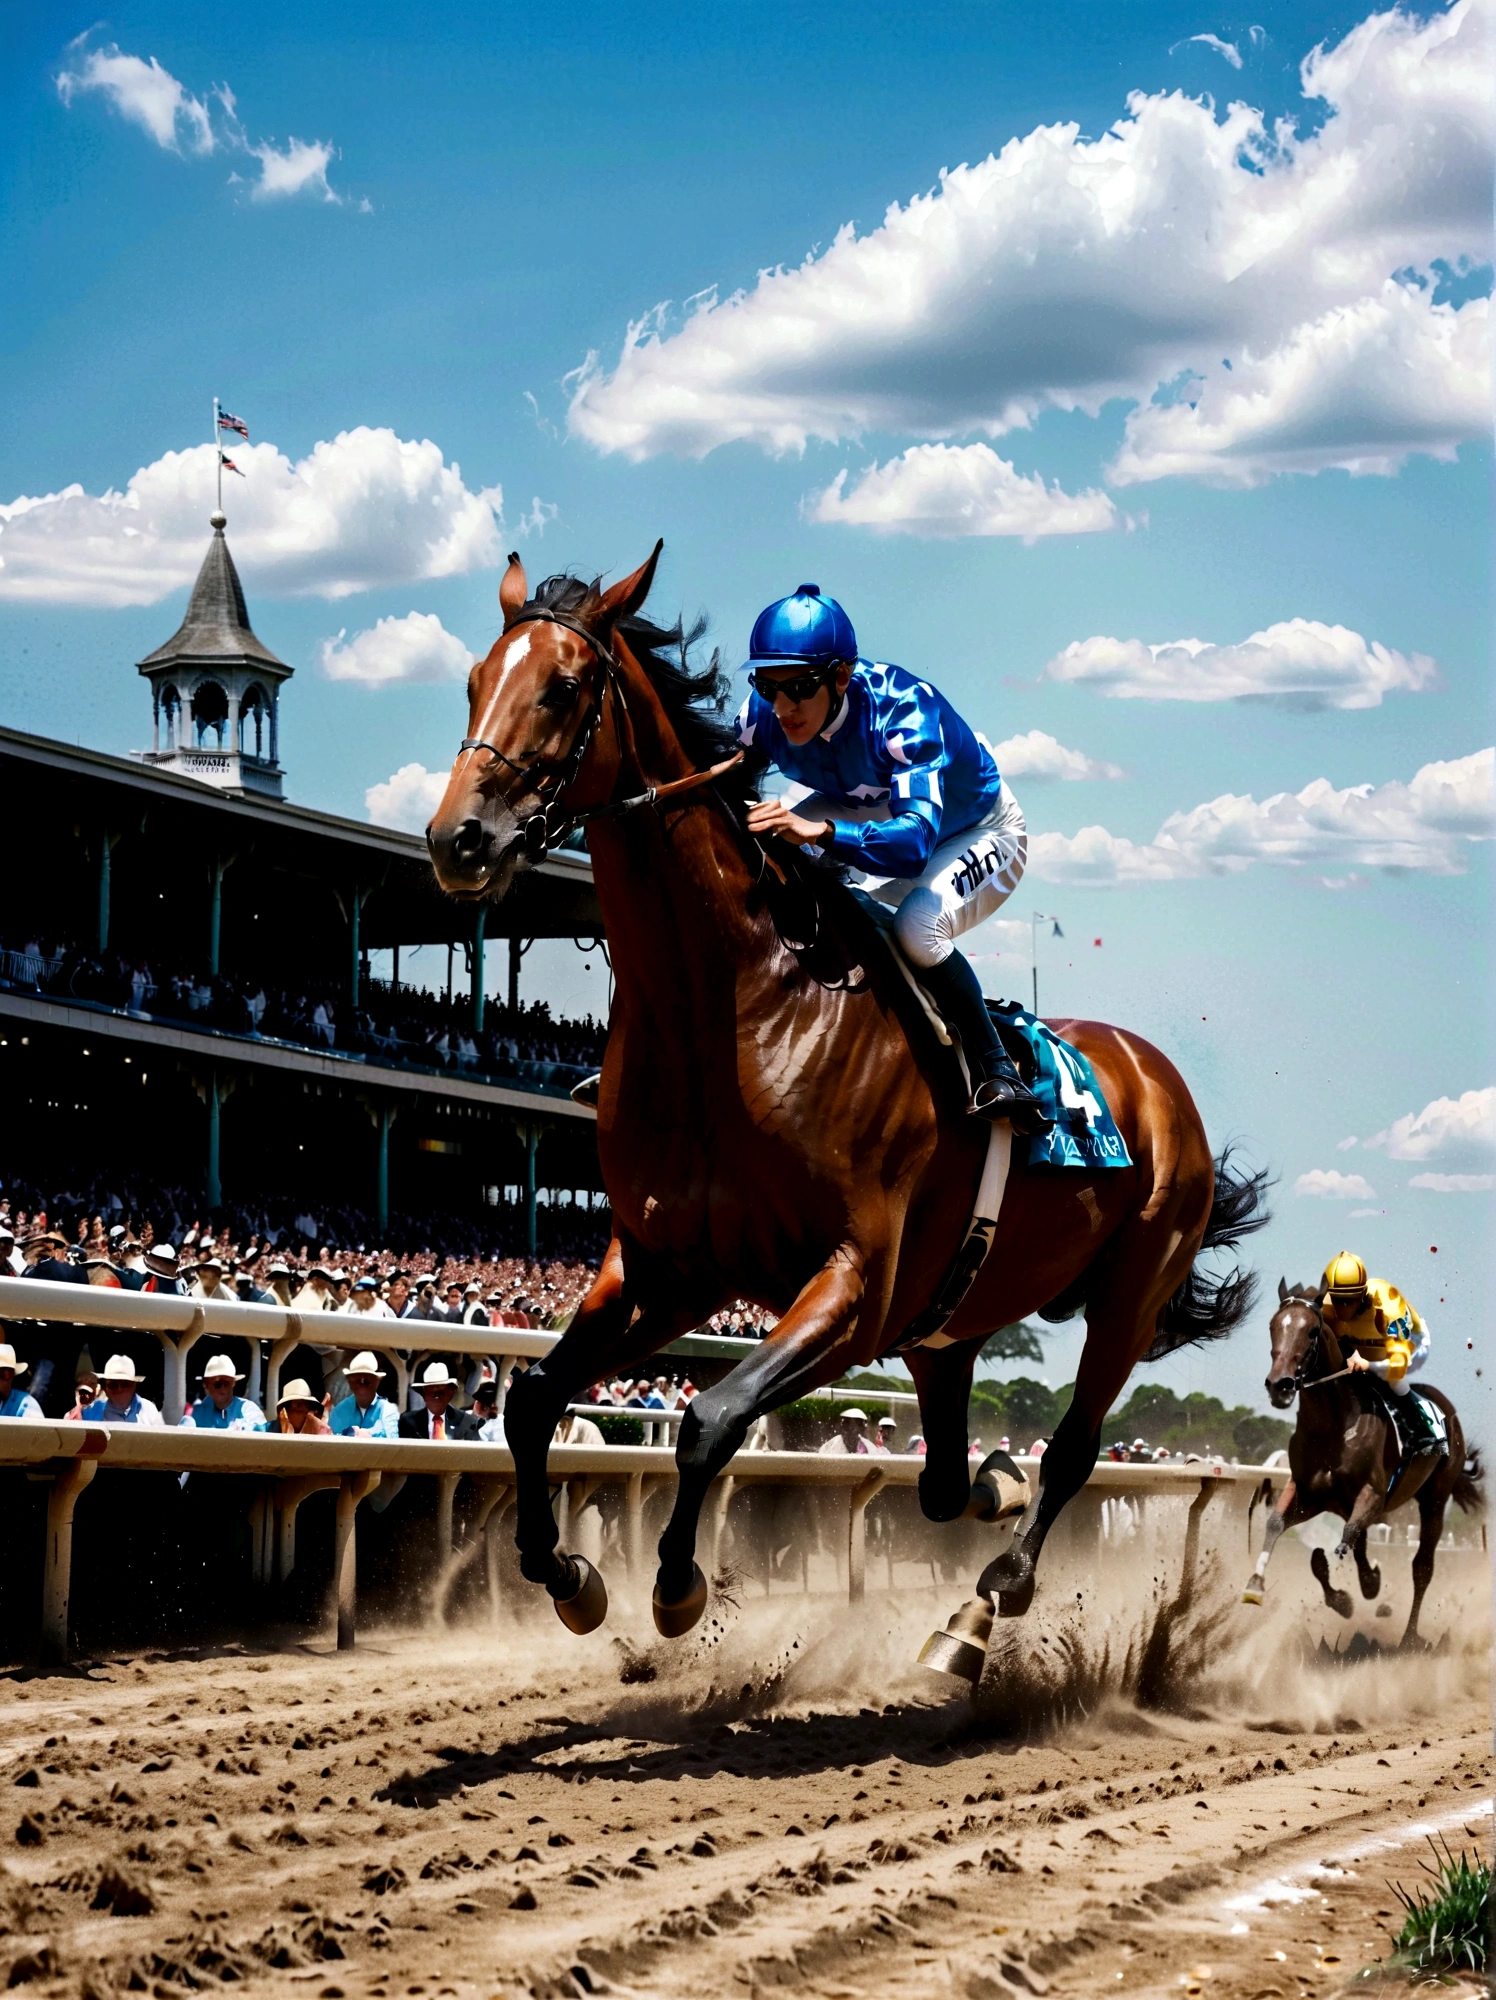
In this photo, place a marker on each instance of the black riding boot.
(997, 1090)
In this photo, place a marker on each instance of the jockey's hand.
(1358, 1364)
(774, 816)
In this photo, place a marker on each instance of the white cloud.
(142, 92)
(537, 517)
(365, 509)
(1346, 1145)
(416, 647)
(1036, 754)
(1454, 1183)
(1329, 1184)
(1468, 1120)
(407, 799)
(940, 492)
(298, 167)
(1222, 48)
(1424, 826)
(1064, 272)
(152, 98)
(1358, 390)
(1298, 664)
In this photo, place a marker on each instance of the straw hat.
(119, 1368)
(363, 1363)
(437, 1377)
(221, 1365)
(297, 1392)
(854, 1416)
(163, 1255)
(8, 1359)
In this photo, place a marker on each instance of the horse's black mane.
(694, 696)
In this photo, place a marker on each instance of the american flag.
(228, 464)
(228, 423)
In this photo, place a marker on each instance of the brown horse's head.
(529, 703)
(1295, 1331)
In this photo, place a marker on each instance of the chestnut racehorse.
(766, 1137)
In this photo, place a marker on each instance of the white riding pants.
(969, 876)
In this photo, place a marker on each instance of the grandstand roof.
(168, 825)
(216, 630)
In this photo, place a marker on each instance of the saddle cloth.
(1084, 1133)
(1438, 1422)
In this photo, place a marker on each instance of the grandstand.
(185, 988)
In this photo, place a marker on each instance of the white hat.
(221, 1365)
(299, 1391)
(437, 1377)
(119, 1368)
(888, 1423)
(854, 1416)
(363, 1364)
(162, 1252)
(8, 1359)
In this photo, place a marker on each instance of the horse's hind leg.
(1369, 1576)
(1431, 1527)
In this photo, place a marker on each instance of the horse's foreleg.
(1431, 1528)
(790, 1362)
(604, 1335)
(1285, 1515)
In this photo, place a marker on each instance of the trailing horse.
(793, 1139)
(1344, 1458)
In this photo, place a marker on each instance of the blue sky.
(993, 413)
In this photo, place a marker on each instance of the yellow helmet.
(1345, 1279)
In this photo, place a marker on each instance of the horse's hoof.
(1251, 1595)
(1008, 1581)
(1371, 1583)
(999, 1490)
(672, 1618)
(961, 1649)
(587, 1606)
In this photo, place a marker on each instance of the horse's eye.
(561, 695)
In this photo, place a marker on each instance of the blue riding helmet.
(807, 628)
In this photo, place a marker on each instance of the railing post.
(857, 1535)
(57, 1568)
(352, 1489)
(175, 1352)
(532, 1144)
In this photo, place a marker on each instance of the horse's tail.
(1207, 1306)
(1470, 1488)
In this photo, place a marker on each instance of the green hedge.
(619, 1429)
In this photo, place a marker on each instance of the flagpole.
(218, 448)
(1034, 920)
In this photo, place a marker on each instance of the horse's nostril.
(468, 839)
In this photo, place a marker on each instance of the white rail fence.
(287, 1469)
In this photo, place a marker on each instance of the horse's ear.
(626, 596)
(513, 591)
(1282, 1290)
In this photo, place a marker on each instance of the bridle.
(540, 831)
(1311, 1350)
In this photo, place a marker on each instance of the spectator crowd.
(405, 1026)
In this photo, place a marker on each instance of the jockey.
(901, 790)
(1378, 1329)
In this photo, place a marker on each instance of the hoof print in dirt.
(381, 1881)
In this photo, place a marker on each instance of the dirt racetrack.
(1192, 1804)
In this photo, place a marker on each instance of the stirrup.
(587, 1091)
(1009, 1097)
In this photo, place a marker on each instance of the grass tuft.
(1445, 1926)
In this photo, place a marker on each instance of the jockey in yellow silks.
(1377, 1329)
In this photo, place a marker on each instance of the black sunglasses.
(770, 681)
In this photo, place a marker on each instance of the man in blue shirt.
(363, 1408)
(122, 1402)
(15, 1402)
(219, 1408)
(902, 790)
